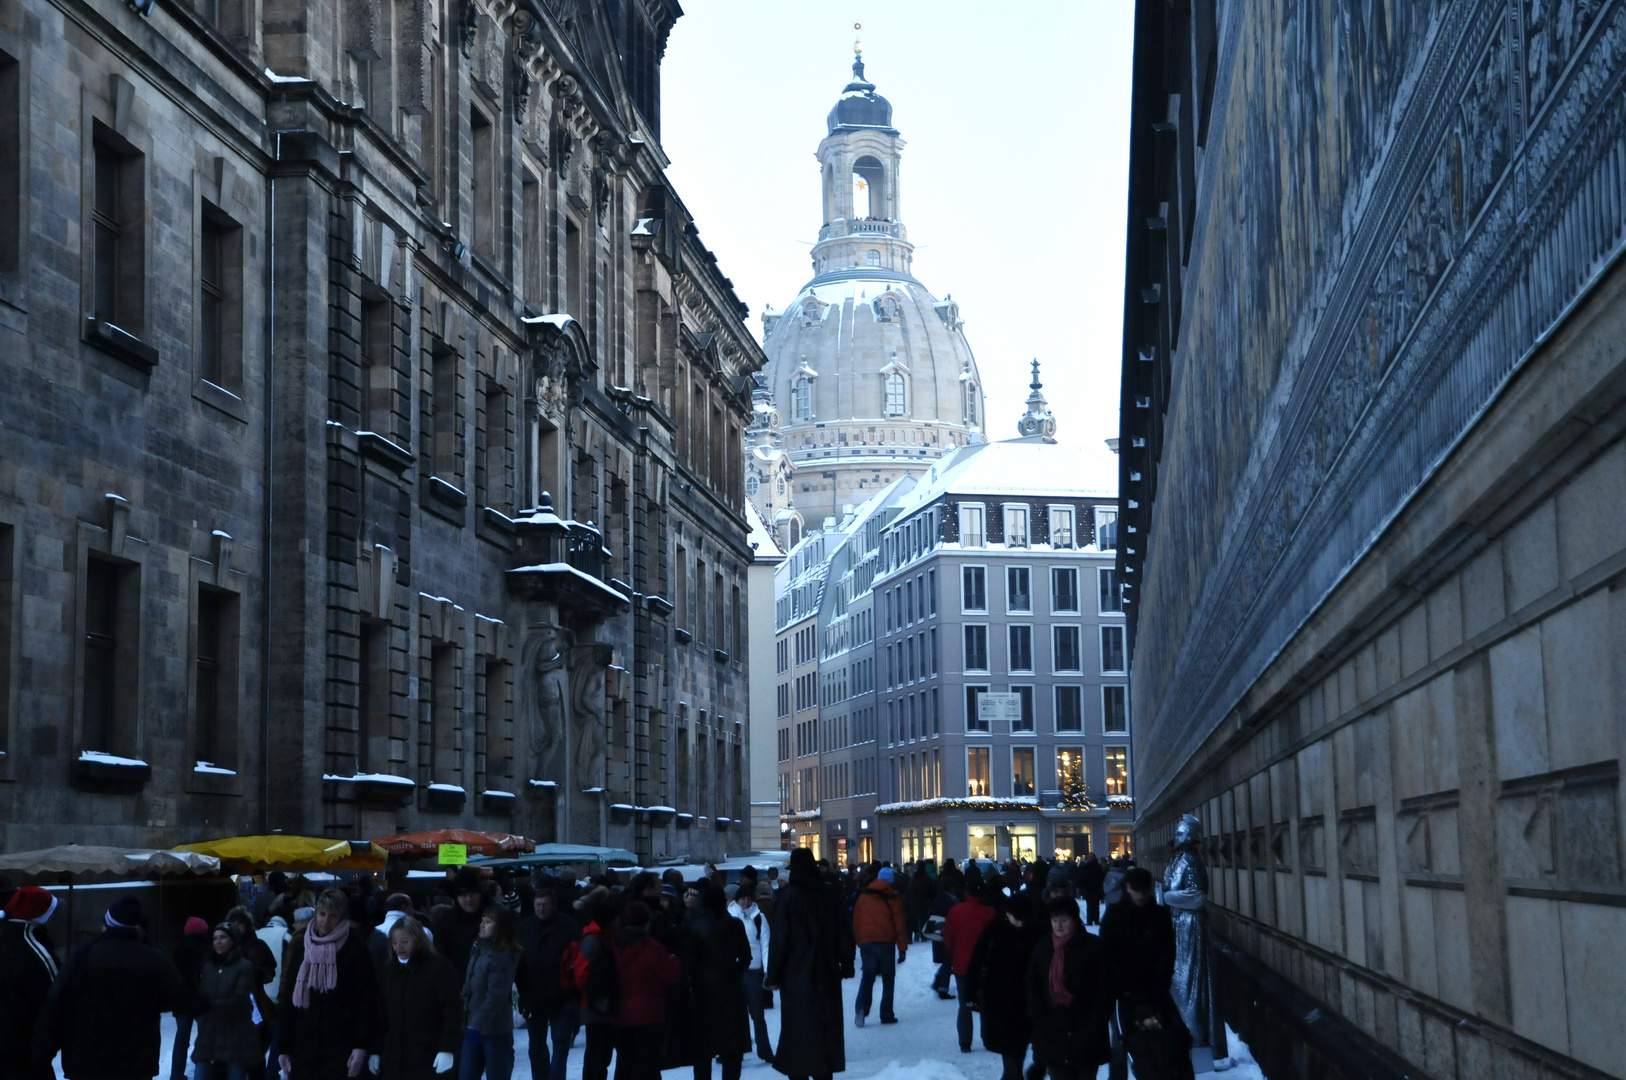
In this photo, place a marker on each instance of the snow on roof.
(759, 536)
(1017, 467)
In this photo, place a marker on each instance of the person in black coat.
(28, 967)
(917, 901)
(419, 1015)
(103, 1012)
(458, 927)
(189, 954)
(716, 954)
(809, 952)
(1137, 941)
(328, 993)
(1068, 998)
(996, 981)
(942, 900)
(549, 1007)
(1090, 877)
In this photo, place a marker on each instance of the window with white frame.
(1064, 655)
(976, 770)
(1064, 588)
(973, 722)
(1018, 591)
(1024, 723)
(1020, 641)
(1061, 526)
(1115, 710)
(1016, 526)
(1117, 770)
(1106, 528)
(976, 648)
(1112, 650)
(1022, 771)
(972, 533)
(1110, 602)
(1069, 708)
(973, 588)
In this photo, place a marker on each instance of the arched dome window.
(970, 402)
(872, 258)
(802, 398)
(897, 395)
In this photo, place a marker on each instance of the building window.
(1018, 595)
(1016, 526)
(373, 697)
(483, 185)
(973, 720)
(933, 650)
(445, 434)
(1063, 589)
(1069, 708)
(1115, 710)
(931, 591)
(976, 648)
(1064, 649)
(1117, 770)
(896, 395)
(976, 770)
(972, 534)
(973, 588)
(1061, 526)
(1112, 650)
(492, 739)
(443, 701)
(1106, 580)
(802, 398)
(1020, 639)
(530, 240)
(1022, 771)
(970, 403)
(1069, 769)
(214, 661)
(220, 288)
(11, 163)
(1106, 528)
(109, 691)
(1023, 723)
(117, 211)
(8, 605)
(872, 258)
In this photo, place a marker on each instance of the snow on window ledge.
(100, 758)
(212, 769)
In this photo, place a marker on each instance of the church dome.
(869, 372)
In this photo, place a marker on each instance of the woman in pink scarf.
(325, 1015)
(1068, 999)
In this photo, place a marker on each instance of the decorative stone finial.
(1038, 421)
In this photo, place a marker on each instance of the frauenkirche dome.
(869, 372)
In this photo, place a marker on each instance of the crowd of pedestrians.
(660, 973)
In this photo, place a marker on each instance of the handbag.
(934, 927)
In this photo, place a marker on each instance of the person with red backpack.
(588, 968)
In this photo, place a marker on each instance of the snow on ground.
(921, 1046)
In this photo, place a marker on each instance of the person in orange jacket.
(961, 928)
(879, 925)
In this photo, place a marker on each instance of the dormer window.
(896, 395)
(1016, 526)
(803, 398)
(971, 403)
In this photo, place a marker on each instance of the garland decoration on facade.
(975, 803)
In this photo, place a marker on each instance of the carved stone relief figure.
(587, 714)
(545, 700)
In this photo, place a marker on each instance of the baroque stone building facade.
(371, 458)
(1374, 392)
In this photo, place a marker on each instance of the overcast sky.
(1015, 119)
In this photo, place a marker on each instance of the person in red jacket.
(961, 929)
(879, 926)
(644, 971)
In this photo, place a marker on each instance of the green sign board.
(454, 854)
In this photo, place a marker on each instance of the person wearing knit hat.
(104, 1012)
(189, 955)
(28, 967)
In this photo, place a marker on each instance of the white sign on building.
(1004, 708)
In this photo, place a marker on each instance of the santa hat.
(31, 904)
